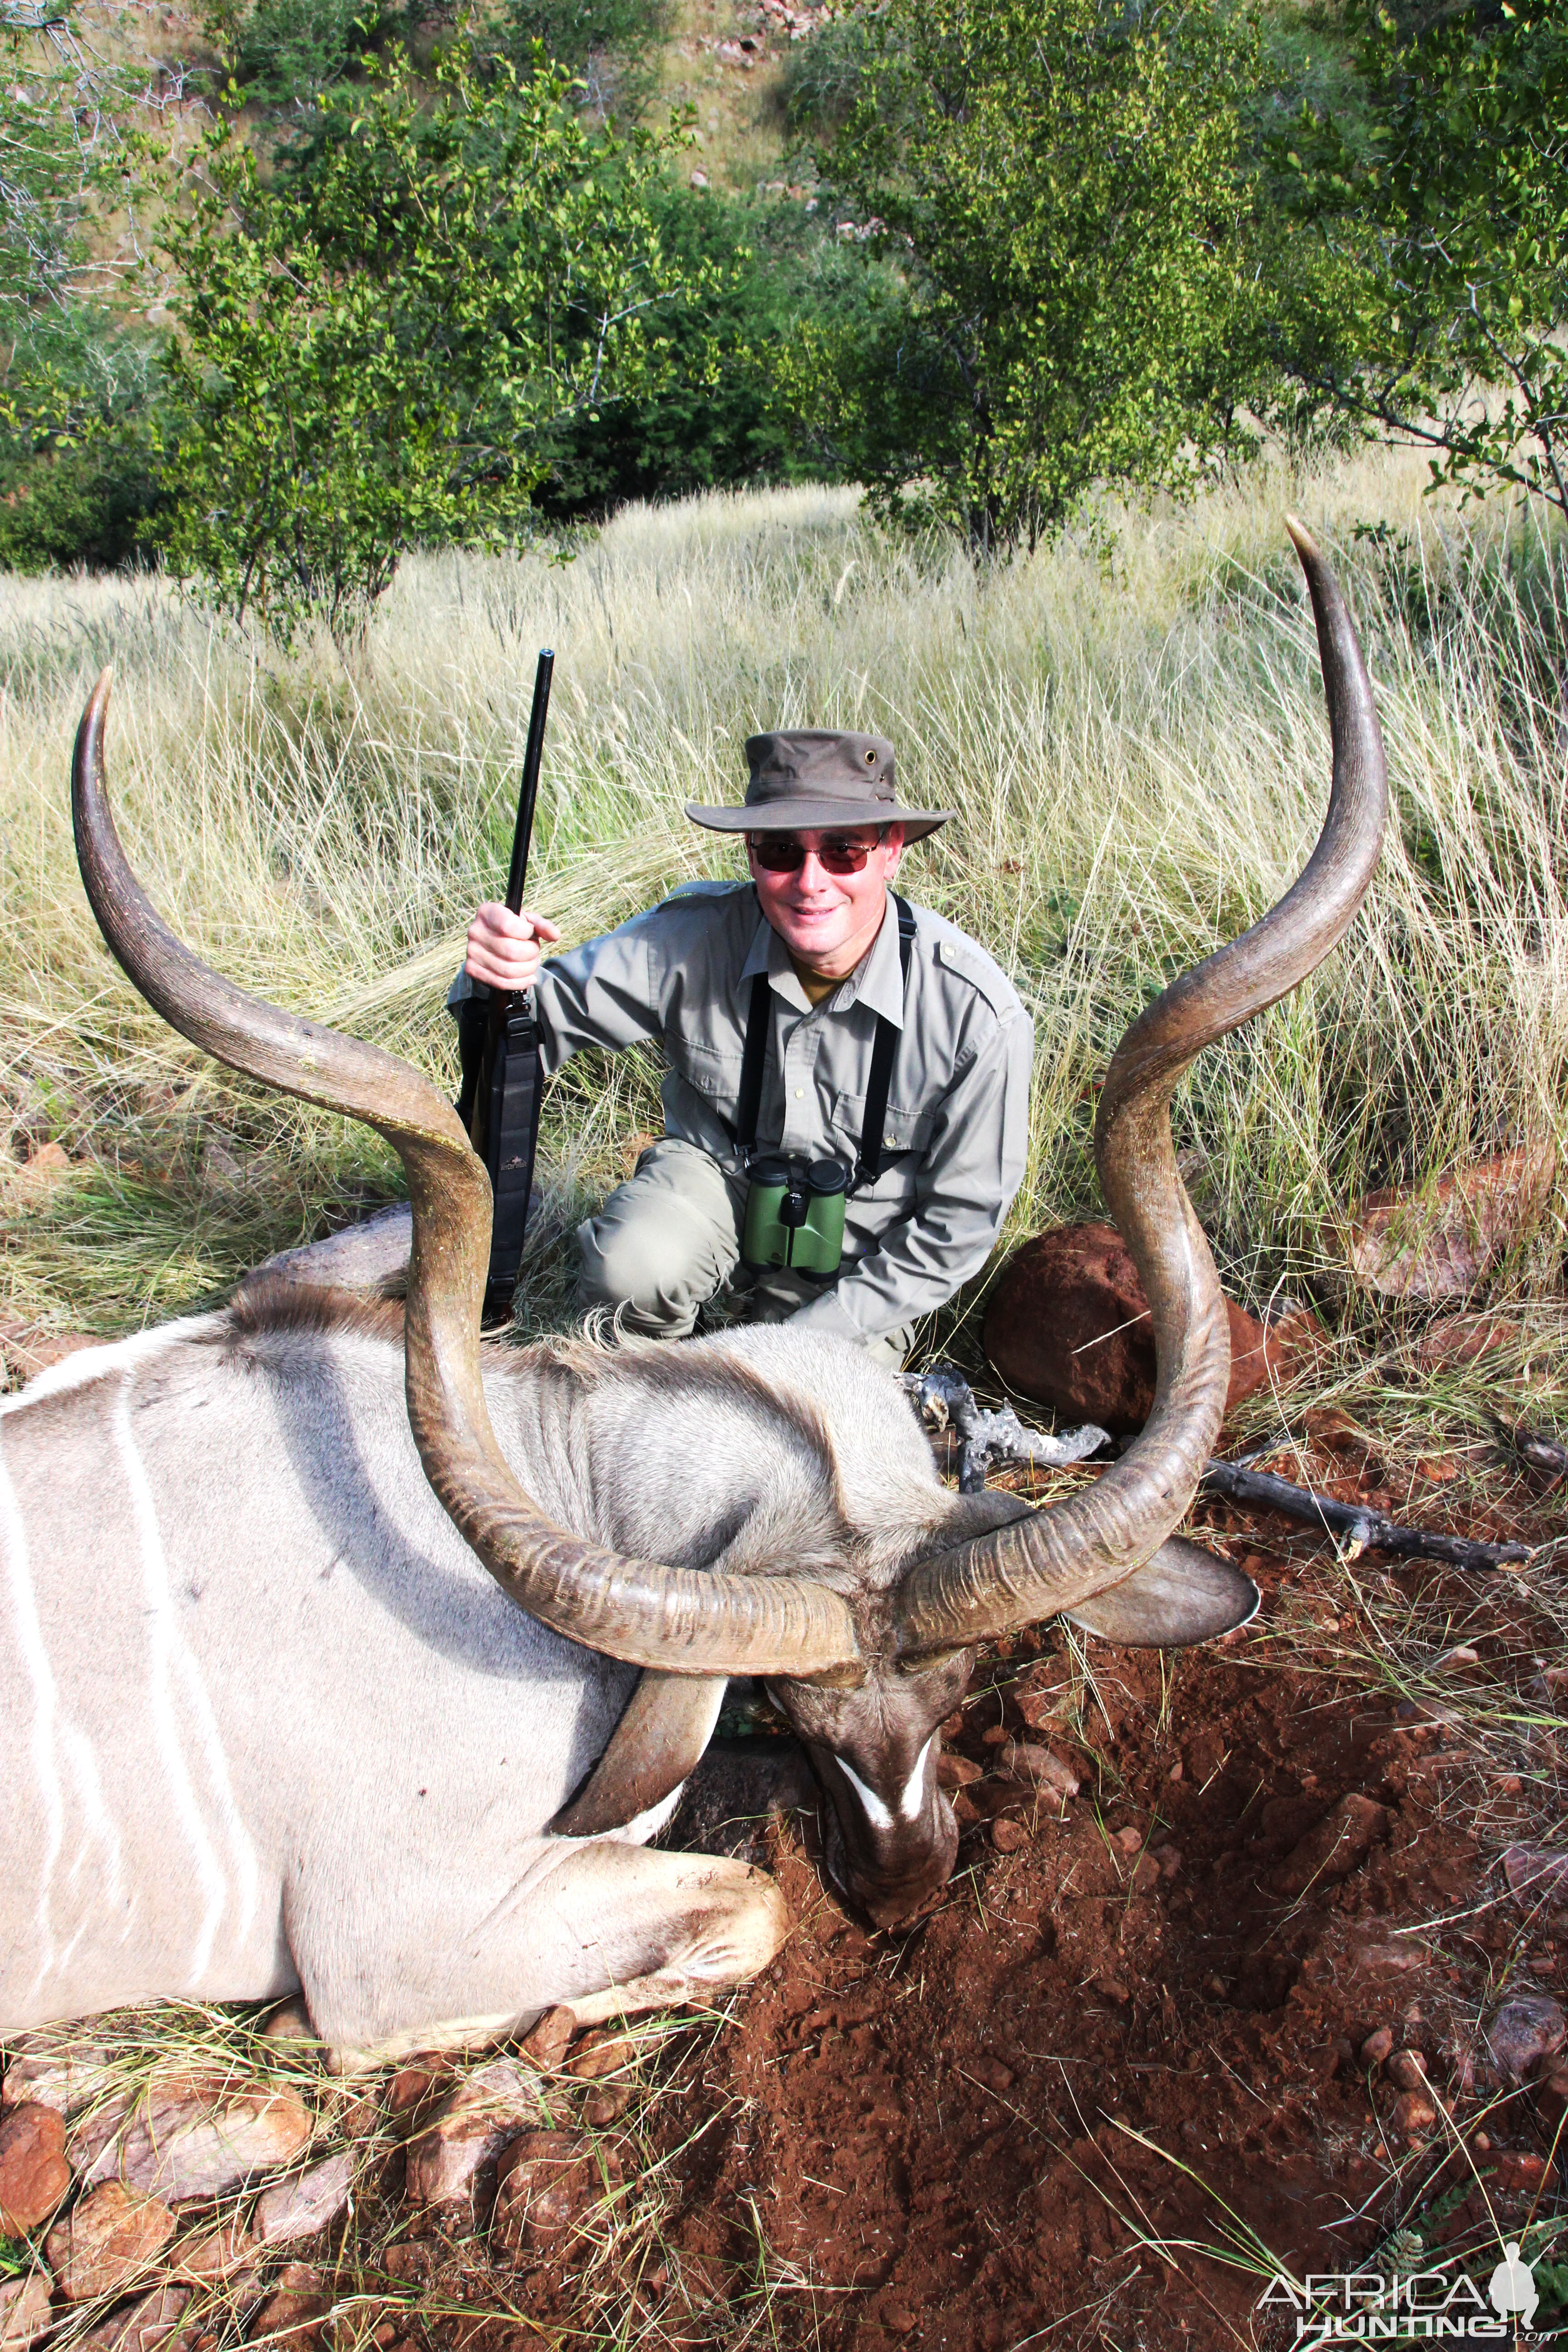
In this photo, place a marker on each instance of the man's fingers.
(496, 924)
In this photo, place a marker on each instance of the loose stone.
(110, 2237)
(34, 2174)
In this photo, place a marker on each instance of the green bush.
(79, 482)
(374, 345)
(610, 43)
(91, 503)
(1059, 195)
(283, 53)
(718, 418)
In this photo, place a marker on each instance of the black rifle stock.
(505, 1130)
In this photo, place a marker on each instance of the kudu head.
(865, 1675)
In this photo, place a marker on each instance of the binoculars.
(794, 1215)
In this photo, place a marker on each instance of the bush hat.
(808, 780)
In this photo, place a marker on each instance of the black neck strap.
(885, 1046)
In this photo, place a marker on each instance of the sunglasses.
(840, 853)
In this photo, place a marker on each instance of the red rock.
(1527, 2027)
(545, 2181)
(1441, 1242)
(1040, 1767)
(601, 2054)
(304, 2203)
(448, 2158)
(1376, 2046)
(142, 2326)
(606, 2106)
(291, 2021)
(1530, 1868)
(191, 2137)
(1551, 2094)
(110, 2237)
(34, 2174)
(1008, 1837)
(994, 2074)
(1068, 1324)
(546, 2041)
(1407, 2070)
(1395, 1956)
(1414, 2114)
(25, 2311)
(295, 2308)
(411, 2086)
(47, 1166)
(55, 2070)
(210, 2254)
(1455, 1339)
(1334, 1848)
(956, 1771)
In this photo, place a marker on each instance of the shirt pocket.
(906, 1138)
(710, 1071)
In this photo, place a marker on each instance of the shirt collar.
(877, 980)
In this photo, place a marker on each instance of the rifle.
(505, 1128)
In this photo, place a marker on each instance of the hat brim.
(818, 817)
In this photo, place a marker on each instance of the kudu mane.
(822, 1514)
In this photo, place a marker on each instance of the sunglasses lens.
(778, 852)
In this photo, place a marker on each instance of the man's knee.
(660, 1245)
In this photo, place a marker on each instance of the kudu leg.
(607, 1931)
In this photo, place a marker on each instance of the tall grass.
(1129, 724)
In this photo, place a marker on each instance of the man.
(819, 928)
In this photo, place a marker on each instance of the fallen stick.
(944, 1399)
(1374, 1530)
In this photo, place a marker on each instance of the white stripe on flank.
(242, 1851)
(165, 1646)
(84, 1365)
(876, 1813)
(36, 1658)
(914, 1787)
(107, 1884)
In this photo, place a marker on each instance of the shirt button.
(799, 1093)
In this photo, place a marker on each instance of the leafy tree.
(373, 347)
(610, 44)
(716, 418)
(59, 145)
(78, 478)
(1432, 300)
(1057, 180)
(284, 53)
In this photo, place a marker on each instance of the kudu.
(268, 1722)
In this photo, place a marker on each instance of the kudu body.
(280, 1725)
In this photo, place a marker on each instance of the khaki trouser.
(669, 1239)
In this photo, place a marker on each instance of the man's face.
(827, 914)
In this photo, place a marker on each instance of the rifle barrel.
(528, 792)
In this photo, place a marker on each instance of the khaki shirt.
(955, 1137)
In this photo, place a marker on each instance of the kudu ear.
(1180, 1596)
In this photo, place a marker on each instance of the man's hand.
(504, 949)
